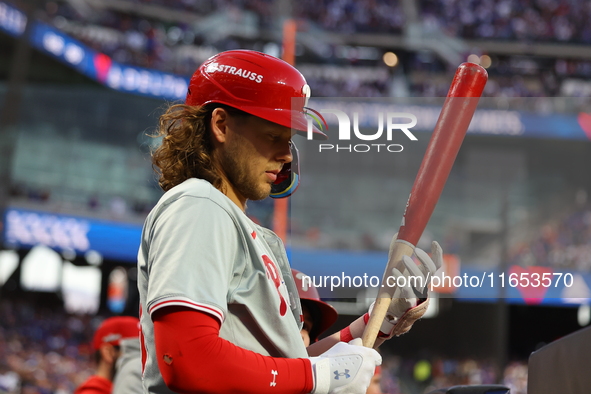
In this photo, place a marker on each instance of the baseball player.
(318, 315)
(107, 342)
(219, 307)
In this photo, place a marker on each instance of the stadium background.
(83, 86)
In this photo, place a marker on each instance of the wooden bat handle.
(380, 308)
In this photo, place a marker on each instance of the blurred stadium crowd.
(523, 20)
(423, 375)
(42, 350)
(527, 20)
(177, 36)
(564, 242)
(47, 351)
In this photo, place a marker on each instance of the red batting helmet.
(323, 314)
(255, 83)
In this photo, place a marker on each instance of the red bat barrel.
(450, 129)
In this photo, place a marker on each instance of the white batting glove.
(344, 368)
(409, 302)
(411, 297)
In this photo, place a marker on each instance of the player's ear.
(219, 124)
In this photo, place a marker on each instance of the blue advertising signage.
(12, 20)
(91, 63)
(113, 240)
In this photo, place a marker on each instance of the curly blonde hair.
(186, 150)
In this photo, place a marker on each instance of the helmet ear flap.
(288, 179)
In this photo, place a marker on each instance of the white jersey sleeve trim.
(186, 302)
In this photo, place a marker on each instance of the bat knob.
(468, 81)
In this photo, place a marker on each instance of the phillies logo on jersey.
(274, 276)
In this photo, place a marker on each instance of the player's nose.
(284, 155)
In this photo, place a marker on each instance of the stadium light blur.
(81, 288)
(485, 61)
(584, 315)
(93, 257)
(68, 254)
(390, 59)
(8, 264)
(41, 269)
(474, 59)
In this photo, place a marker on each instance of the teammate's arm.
(408, 305)
(354, 330)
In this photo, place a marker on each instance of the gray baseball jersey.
(128, 375)
(199, 250)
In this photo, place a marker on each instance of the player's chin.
(262, 192)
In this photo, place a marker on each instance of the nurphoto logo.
(395, 122)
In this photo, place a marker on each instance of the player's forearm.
(323, 345)
(193, 358)
(354, 330)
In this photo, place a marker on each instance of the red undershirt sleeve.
(193, 358)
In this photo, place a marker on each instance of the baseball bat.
(457, 111)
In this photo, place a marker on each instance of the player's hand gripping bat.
(450, 129)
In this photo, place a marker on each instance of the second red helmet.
(324, 315)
